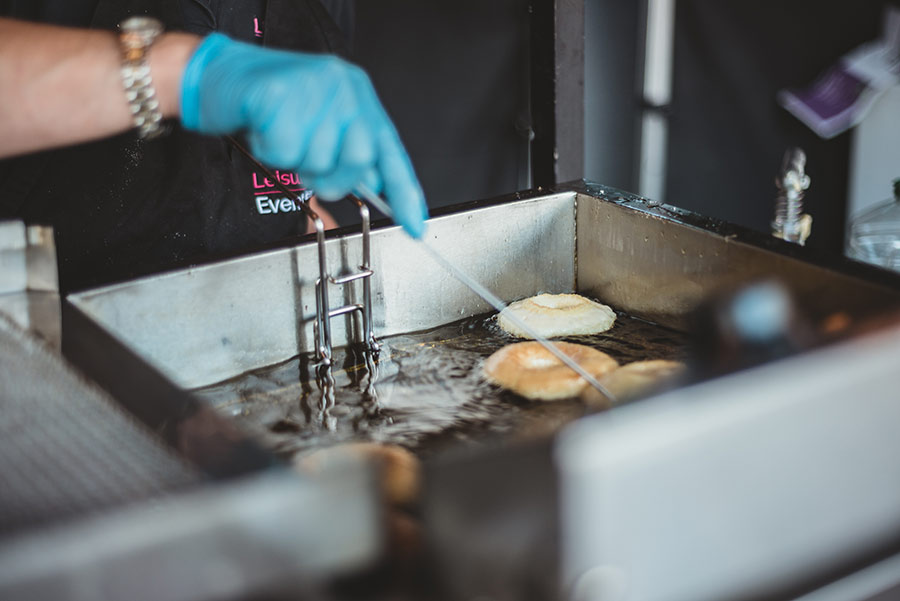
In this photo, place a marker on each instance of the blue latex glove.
(314, 114)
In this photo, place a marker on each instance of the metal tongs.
(324, 311)
(376, 201)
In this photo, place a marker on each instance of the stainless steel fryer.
(213, 322)
(539, 534)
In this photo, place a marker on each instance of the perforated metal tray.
(67, 449)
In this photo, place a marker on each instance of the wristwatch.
(136, 35)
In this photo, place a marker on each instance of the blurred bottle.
(875, 234)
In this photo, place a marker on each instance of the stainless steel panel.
(515, 250)
(272, 535)
(29, 287)
(13, 272)
(638, 256)
(742, 487)
(40, 259)
(207, 324)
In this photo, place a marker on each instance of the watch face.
(146, 27)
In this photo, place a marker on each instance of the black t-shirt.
(125, 207)
(244, 20)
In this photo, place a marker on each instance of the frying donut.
(635, 379)
(554, 315)
(530, 370)
(398, 469)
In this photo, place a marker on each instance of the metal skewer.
(489, 297)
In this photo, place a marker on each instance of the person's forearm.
(62, 86)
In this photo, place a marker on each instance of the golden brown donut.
(398, 468)
(399, 479)
(634, 380)
(555, 315)
(530, 370)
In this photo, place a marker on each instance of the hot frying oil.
(423, 391)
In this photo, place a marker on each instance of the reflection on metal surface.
(29, 285)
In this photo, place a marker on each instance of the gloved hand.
(314, 114)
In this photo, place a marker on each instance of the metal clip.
(324, 312)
